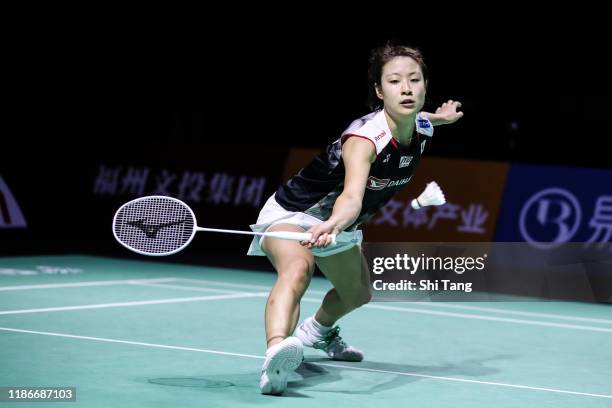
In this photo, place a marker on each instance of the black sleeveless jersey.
(316, 187)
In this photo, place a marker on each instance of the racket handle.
(295, 236)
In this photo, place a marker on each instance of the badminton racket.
(160, 225)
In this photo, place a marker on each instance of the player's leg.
(348, 273)
(294, 265)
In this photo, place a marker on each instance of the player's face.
(402, 87)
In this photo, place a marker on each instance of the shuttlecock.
(432, 195)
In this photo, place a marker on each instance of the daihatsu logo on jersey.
(398, 182)
(376, 183)
(10, 213)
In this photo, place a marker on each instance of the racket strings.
(155, 225)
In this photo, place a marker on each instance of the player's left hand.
(447, 113)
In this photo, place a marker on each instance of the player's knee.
(297, 271)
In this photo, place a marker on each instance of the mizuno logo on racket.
(151, 231)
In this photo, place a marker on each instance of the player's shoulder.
(372, 127)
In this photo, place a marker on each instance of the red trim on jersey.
(394, 143)
(397, 145)
(347, 135)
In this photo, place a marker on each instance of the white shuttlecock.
(432, 195)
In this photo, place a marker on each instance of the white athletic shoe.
(331, 343)
(281, 359)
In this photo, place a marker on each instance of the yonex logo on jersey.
(376, 184)
(377, 138)
(405, 161)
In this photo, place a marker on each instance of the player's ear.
(378, 90)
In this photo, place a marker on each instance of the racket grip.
(295, 236)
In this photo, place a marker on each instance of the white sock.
(317, 327)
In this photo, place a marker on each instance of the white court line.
(436, 377)
(479, 317)
(427, 304)
(408, 374)
(313, 292)
(265, 294)
(138, 303)
(468, 316)
(235, 285)
(516, 312)
(187, 288)
(137, 343)
(84, 284)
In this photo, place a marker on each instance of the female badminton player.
(345, 186)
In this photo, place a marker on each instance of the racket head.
(154, 225)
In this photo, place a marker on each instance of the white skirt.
(272, 213)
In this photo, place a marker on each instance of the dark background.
(534, 89)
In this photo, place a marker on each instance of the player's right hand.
(320, 235)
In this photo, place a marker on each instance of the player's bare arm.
(357, 154)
